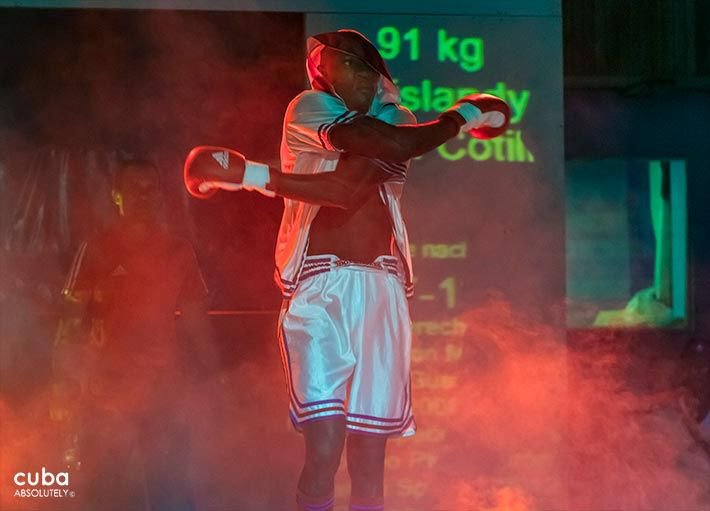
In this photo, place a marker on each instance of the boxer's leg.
(379, 403)
(366, 466)
(318, 363)
(324, 446)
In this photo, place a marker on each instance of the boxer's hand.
(484, 115)
(209, 168)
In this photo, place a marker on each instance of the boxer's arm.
(394, 137)
(352, 181)
(208, 169)
(371, 137)
(319, 121)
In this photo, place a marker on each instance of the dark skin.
(358, 228)
(353, 224)
(355, 178)
(363, 232)
(357, 234)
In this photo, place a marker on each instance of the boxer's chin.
(361, 101)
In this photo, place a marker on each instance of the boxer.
(342, 254)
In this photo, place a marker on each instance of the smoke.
(532, 423)
(539, 424)
(630, 450)
(27, 439)
(81, 88)
(155, 84)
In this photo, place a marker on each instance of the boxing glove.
(210, 168)
(485, 116)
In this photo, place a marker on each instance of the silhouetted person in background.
(117, 349)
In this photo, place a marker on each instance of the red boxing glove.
(485, 116)
(210, 168)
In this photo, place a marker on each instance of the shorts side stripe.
(286, 362)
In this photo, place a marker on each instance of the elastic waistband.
(316, 264)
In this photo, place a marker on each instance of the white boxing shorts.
(345, 339)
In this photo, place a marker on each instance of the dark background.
(151, 84)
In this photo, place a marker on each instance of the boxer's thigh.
(380, 395)
(314, 336)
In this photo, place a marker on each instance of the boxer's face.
(138, 192)
(351, 77)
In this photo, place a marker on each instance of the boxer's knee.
(366, 464)
(324, 444)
